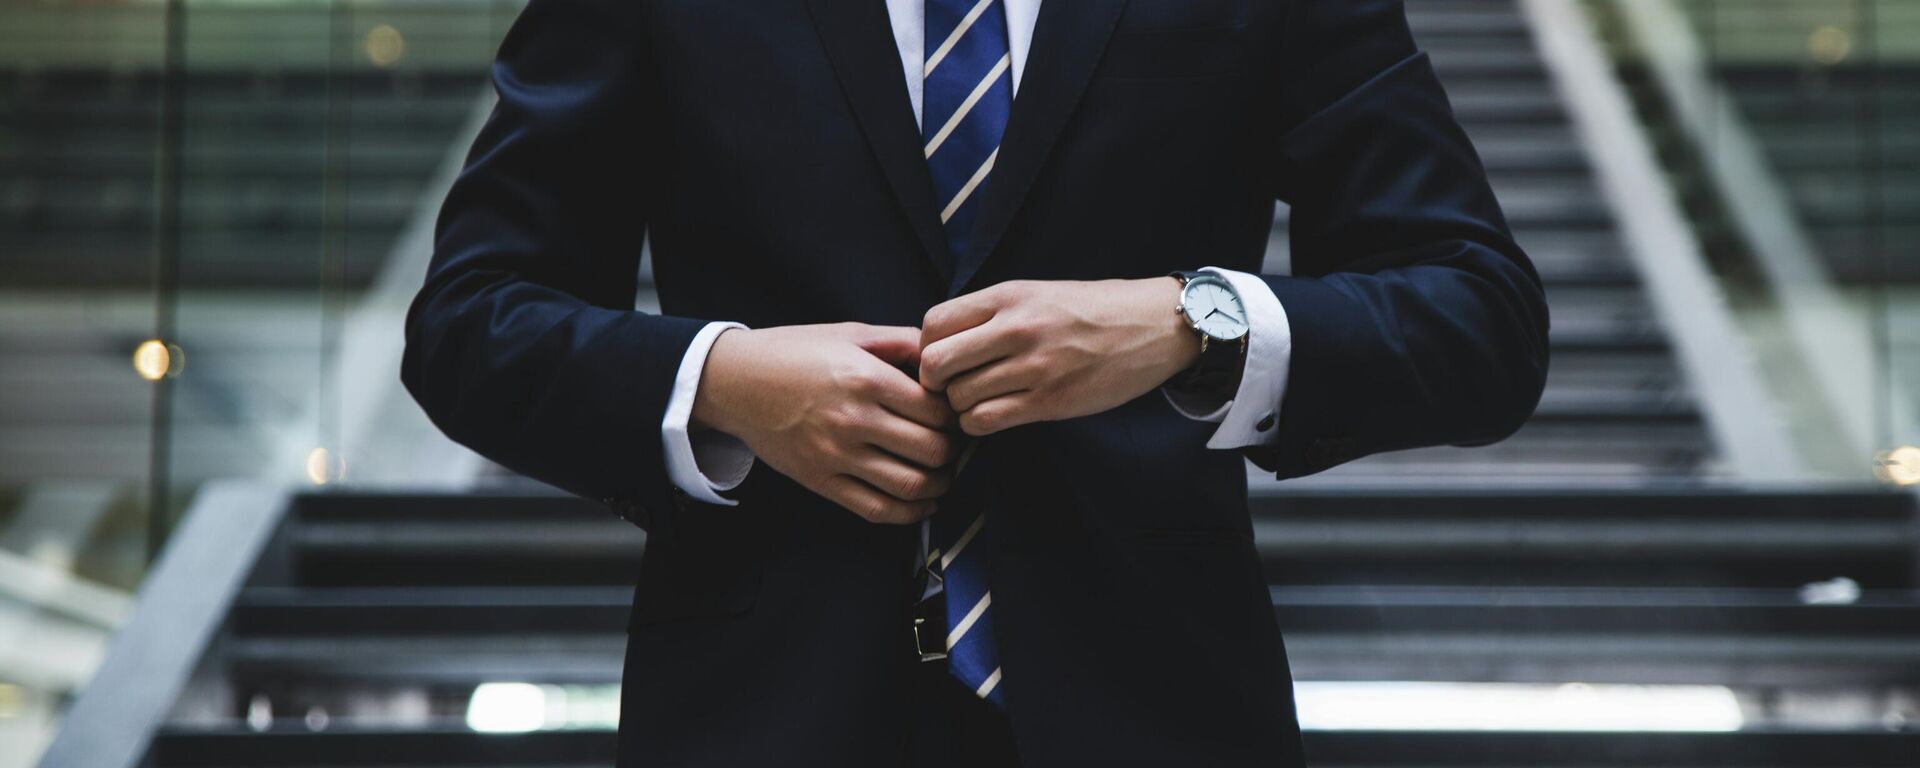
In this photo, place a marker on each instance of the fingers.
(894, 389)
(899, 393)
(959, 314)
(987, 382)
(897, 478)
(913, 442)
(944, 360)
(900, 347)
(1001, 413)
(871, 504)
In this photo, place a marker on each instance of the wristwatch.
(1212, 308)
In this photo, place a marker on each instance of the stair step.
(1568, 537)
(441, 637)
(446, 747)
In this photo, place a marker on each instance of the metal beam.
(186, 595)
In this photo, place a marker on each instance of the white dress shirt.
(706, 464)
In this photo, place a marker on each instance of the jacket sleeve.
(1416, 319)
(523, 344)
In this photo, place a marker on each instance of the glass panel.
(1790, 129)
(315, 134)
(1823, 87)
(81, 115)
(196, 198)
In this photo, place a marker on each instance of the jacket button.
(1266, 423)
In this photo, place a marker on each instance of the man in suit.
(939, 436)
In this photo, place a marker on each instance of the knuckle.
(865, 384)
(987, 422)
(1044, 363)
(972, 423)
(837, 419)
(933, 361)
(818, 445)
(913, 486)
(1021, 328)
(937, 317)
(990, 420)
(938, 452)
(871, 509)
(1035, 324)
(960, 396)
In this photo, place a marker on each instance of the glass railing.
(315, 141)
(1792, 128)
(77, 295)
(197, 199)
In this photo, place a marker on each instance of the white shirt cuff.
(1252, 417)
(704, 464)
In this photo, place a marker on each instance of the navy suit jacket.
(769, 150)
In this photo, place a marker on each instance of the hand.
(1026, 351)
(827, 406)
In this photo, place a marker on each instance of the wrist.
(1174, 337)
(713, 406)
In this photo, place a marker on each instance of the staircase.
(360, 626)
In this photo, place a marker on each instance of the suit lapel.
(859, 41)
(1068, 39)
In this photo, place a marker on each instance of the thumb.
(897, 345)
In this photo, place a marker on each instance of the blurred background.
(228, 538)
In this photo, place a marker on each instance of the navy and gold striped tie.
(967, 95)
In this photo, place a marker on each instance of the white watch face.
(1213, 308)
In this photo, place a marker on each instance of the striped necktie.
(959, 549)
(967, 94)
(966, 97)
